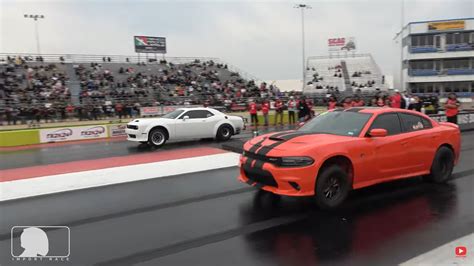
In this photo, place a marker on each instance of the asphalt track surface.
(209, 218)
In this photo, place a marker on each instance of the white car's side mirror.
(185, 118)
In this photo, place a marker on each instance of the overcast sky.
(262, 38)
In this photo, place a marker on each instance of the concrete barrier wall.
(19, 137)
(59, 134)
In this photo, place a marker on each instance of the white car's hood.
(147, 121)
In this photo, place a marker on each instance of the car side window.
(389, 122)
(414, 122)
(197, 114)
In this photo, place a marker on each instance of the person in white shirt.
(292, 110)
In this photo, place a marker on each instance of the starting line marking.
(95, 178)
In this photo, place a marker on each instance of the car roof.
(196, 108)
(381, 110)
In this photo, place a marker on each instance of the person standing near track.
(265, 109)
(253, 113)
(452, 108)
(396, 100)
(332, 103)
(347, 103)
(291, 110)
(303, 111)
(278, 111)
(357, 102)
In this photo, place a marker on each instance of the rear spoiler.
(448, 124)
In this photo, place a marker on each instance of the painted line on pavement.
(31, 187)
(102, 163)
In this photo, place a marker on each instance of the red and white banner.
(150, 111)
(341, 44)
(72, 133)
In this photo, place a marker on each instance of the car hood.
(294, 140)
(147, 121)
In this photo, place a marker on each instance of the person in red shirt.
(69, 110)
(278, 111)
(452, 108)
(357, 102)
(253, 113)
(396, 100)
(119, 109)
(265, 109)
(347, 103)
(332, 103)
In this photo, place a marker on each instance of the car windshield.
(173, 115)
(337, 123)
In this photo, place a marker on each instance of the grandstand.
(342, 75)
(55, 87)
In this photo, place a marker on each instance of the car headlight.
(295, 161)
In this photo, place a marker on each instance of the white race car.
(182, 124)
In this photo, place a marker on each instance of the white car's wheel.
(157, 137)
(224, 132)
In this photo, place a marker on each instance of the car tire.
(442, 167)
(157, 137)
(224, 132)
(332, 187)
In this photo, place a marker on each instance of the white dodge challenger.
(183, 124)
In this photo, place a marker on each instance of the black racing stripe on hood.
(266, 149)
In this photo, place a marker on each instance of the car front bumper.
(294, 181)
(138, 135)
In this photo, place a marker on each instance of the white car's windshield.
(173, 115)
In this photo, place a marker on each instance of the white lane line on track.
(445, 254)
(95, 178)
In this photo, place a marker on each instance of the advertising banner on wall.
(72, 133)
(148, 44)
(151, 111)
(342, 44)
(117, 130)
(446, 25)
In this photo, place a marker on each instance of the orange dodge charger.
(341, 150)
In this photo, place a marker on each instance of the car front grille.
(260, 176)
(134, 127)
(263, 158)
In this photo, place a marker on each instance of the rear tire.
(332, 187)
(224, 132)
(442, 166)
(157, 137)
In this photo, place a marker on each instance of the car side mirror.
(378, 132)
(185, 118)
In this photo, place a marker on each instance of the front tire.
(224, 132)
(157, 137)
(332, 187)
(442, 166)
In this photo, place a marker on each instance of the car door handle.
(404, 143)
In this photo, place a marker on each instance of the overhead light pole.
(36, 19)
(400, 35)
(302, 7)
